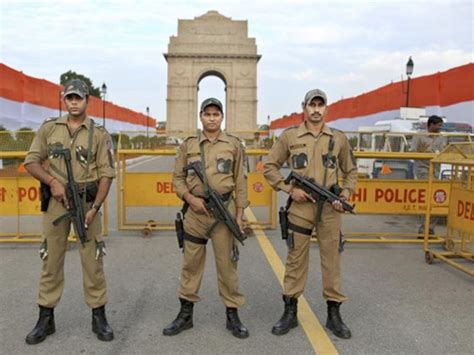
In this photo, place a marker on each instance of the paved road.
(397, 303)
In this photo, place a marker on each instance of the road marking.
(315, 333)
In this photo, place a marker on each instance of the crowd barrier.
(459, 236)
(20, 214)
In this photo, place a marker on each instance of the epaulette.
(99, 126)
(239, 140)
(234, 136)
(189, 137)
(337, 131)
(289, 129)
(51, 119)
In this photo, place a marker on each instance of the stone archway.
(216, 45)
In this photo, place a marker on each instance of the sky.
(343, 47)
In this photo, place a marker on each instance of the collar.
(303, 129)
(63, 120)
(223, 137)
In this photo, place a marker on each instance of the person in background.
(433, 142)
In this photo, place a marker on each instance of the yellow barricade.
(392, 190)
(459, 239)
(374, 196)
(146, 200)
(20, 213)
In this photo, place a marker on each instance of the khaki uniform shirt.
(297, 142)
(427, 144)
(224, 167)
(54, 133)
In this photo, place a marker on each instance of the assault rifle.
(216, 205)
(76, 210)
(316, 191)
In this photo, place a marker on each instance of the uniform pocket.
(329, 162)
(298, 156)
(225, 163)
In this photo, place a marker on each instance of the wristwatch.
(97, 207)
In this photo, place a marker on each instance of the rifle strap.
(89, 146)
(89, 157)
(326, 163)
(203, 164)
(204, 177)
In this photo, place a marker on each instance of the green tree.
(139, 142)
(124, 142)
(156, 142)
(65, 77)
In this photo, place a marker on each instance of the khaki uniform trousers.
(194, 259)
(296, 271)
(52, 276)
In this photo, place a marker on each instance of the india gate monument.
(211, 45)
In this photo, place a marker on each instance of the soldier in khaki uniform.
(224, 156)
(431, 143)
(315, 151)
(93, 169)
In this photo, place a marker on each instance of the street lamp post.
(409, 72)
(147, 118)
(103, 92)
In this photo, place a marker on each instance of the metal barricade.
(387, 185)
(394, 191)
(262, 197)
(459, 238)
(20, 213)
(19, 201)
(146, 199)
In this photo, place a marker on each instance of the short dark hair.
(433, 119)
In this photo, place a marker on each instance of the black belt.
(298, 229)
(195, 240)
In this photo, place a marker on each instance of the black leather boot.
(235, 325)
(100, 326)
(44, 327)
(183, 321)
(289, 319)
(335, 322)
